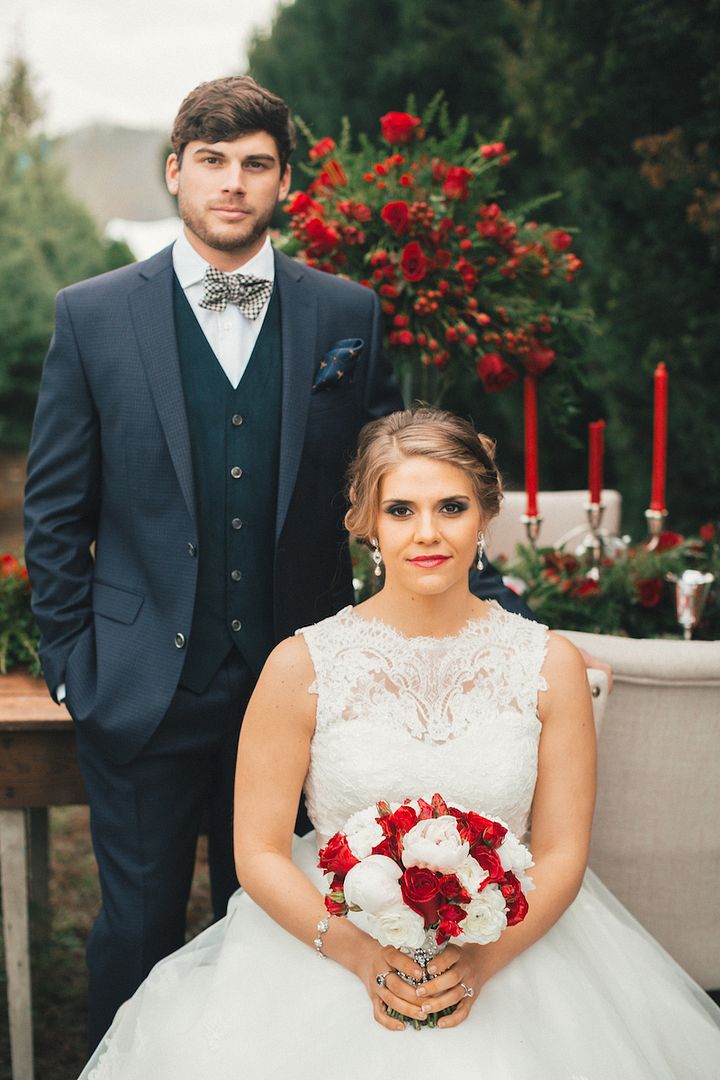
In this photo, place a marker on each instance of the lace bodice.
(403, 716)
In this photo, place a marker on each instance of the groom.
(184, 510)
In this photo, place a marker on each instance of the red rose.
(335, 907)
(558, 241)
(398, 127)
(9, 566)
(321, 149)
(400, 821)
(649, 591)
(406, 338)
(707, 532)
(539, 359)
(455, 185)
(489, 860)
(667, 540)
(451, 889)
(584, 589)
(491, 150)
(322, 238)
(449, 926)
(494, 373)
(396, 215)
(420, 892)
(517, 905)
(300, 202)
(336, 857)
(413, 263)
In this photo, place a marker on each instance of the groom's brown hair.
(224, 109)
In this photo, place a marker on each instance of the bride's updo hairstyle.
(420, 431)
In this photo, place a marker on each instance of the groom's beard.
(237, 237)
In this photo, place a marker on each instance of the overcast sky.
(126, 61)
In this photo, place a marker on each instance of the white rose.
(514, 856)
(373, 884)
(435, 843)
(486, 917)
(363, 832)
(471, 874)
(399, 927)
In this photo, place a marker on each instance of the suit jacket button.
(237, 420)
(236, 523)
(236, 624)
(236, 575)
(192, 550)
(179, 641)
(236, 472)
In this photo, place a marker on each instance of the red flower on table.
(667, 540)
(649, 591)
(413, 263)
(539, 359)
(494, 373)
(397, 216)
(399, 127)
(707, 532)
(586, 588)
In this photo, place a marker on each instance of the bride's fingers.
(454, 996)
(400, 962)
(380, 1014)
(461, 1013)
(415, 1010)
(445, 960)
(402, 989)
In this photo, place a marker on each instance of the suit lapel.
(298, 314)
(151, 308)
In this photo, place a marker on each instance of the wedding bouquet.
(425, 873)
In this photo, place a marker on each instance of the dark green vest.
(235, 440)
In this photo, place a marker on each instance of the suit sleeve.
(61, 500)
(381, 393)
(487, 584)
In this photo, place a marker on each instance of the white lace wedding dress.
(595, 999)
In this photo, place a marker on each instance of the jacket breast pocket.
(112, 602)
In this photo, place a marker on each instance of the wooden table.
(38, 769)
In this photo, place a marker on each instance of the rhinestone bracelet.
(322, 928)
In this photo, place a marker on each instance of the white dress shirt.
(230, 334)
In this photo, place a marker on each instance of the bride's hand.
(457, 983)
(392, 992)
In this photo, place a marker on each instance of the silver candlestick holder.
(655, 525)
(532, 523)
(590, 542)
(691, 592)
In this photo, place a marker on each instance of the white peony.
(373, 884)
(471, 874)
(435, 843)
(515, 857)
(363, 832)
(486, 917)
(399, 927)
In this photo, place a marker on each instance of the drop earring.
(480, 549)
(376, 556)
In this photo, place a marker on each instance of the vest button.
(237, 420)
(236, 472)
(179, 641)
(236, 575)
(236, 625)
(192, 550)
(236, 523)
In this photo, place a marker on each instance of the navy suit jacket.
(110, 506)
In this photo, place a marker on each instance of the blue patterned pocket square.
(338, 364)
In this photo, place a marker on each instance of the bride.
(422, 688)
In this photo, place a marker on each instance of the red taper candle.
(596, 435)
(657, 499)
(531, 446)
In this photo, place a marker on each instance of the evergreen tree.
(47, 241)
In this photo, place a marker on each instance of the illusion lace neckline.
(475, 622)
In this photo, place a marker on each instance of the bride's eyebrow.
(440, 502)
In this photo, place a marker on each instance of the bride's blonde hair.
(420, 431)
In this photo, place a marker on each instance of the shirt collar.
(190, 267)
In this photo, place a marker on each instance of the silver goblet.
(691, 591)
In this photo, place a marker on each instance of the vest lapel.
(298, 314)
(151, 307)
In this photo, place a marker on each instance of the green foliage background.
(579, 83)
(47, 241)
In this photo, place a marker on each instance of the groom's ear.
(285, 184)
(172, 174)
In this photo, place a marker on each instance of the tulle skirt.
(595, 999)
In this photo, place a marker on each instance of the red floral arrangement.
(464, 283)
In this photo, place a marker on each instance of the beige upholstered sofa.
(656, 836)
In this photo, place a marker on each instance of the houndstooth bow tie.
(249, 293)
